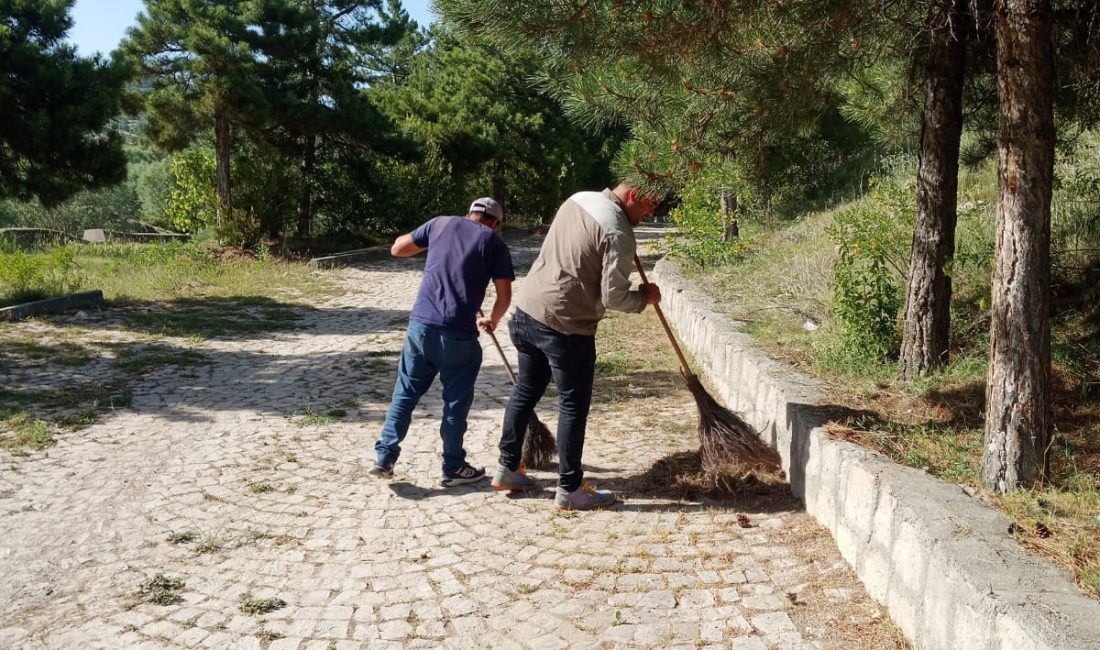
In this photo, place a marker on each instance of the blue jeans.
(428, 351)
(570, 359)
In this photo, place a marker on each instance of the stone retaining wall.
(943, 563)
(350, 258)
(82, 300)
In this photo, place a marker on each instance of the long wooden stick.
(503, 358)
(684, 367)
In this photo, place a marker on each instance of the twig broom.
(538, 444)
(726, 442)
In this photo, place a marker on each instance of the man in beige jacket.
(582, 270)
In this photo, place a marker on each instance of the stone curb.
(943, 563)
(52, 305)
(372, 254)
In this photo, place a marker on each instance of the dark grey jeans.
(570, 359)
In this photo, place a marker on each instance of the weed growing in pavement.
(313, 419)
(210, 543)
(250, 604)
(183, 537)
(162, 590)
(265, 634)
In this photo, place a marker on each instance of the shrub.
(872, 239)
(33, 276)
(701, 235)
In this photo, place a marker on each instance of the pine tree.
(485, 113)
(197, 69)
(1018, 388)
(55, 107)
(927, 319)
(315, 59)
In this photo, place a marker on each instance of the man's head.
(488, 212)
(638, 206)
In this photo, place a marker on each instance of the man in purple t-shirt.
(464, 254)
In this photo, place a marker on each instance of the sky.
(99, 25)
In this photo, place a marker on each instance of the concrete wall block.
(875, 572)
(904, 606)
(939, 603)
(882, 525)
(862, 499)
(1013, 636)
(826, 506)
(972, 628)
(912, 547)
(809, 491)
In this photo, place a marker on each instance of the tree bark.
(1018, 411)
(730, 229)
(927, 323)
(221, 161)
(305, 201)
(498, 181)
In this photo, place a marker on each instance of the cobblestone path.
(245, 480)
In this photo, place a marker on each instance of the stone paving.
(245, 480)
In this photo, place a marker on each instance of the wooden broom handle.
(503, 358)
(684, 367)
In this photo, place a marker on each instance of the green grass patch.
(162, 590)
(27, 351)
(197, 291)
(314, 419)
(141, 358)
(25, 433)
(626, 369)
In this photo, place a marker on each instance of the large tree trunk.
(305, 202)
(221, 161)
(927, 323)
(1018, 411)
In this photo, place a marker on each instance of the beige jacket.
(584, 266)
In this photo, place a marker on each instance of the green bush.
(152, 183)
(33, 276)
(699, 220)
(872, 239)
(263, 190)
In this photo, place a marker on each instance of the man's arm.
(500, 306)
(404, 246)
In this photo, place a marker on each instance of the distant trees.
(366, 113)
(55, 107)
(314, 61)
(287, 76)
(481, 112)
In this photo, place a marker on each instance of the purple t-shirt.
(463, 256)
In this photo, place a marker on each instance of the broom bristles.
(538, 444)
(726, 442)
